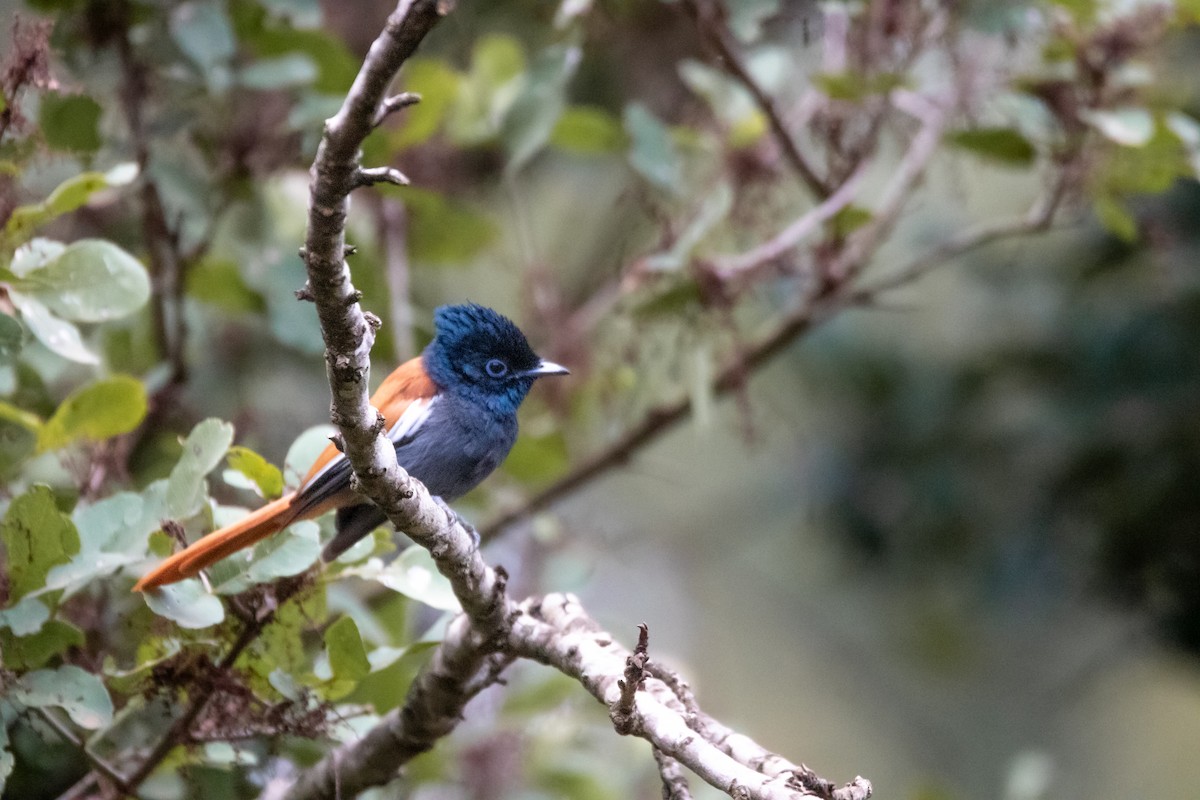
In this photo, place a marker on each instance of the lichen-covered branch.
(493, 630)
(557, 631)
(350, 332)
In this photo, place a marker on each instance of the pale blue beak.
(545, 367)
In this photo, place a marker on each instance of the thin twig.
(557, 631)
(907, 175)
(623, 709)
(82, 787)
(662, 418)
(1038, 219)
(99, 764)
(178, 732)
(832, 298)
(788, 239)
(710, 22)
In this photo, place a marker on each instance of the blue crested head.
(481, 354)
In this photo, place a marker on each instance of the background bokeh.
(950, 542)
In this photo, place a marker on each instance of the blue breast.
(459, 445)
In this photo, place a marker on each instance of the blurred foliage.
(574, 157)
(1064, 455)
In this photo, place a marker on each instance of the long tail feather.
(271, 518)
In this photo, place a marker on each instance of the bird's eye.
(496, 368)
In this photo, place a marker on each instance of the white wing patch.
(403, 428)
(412, 419)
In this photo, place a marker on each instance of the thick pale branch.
(492, 631)
(556, 631)
(675, 784)
(349, 332)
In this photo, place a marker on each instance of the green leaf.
(11, 337)
(281, 645)
(219, 282)
(1003, 145)
(850, 219)
(30, 652)
(68, 196)
(149, 657)
(497, 59)
(393, 671)
(186, 603)
(113, 532)
(70, 122)
(91, 280)
(413, 574)
(1186, 130)
(726, 98)
(438, 85)
(1115, 218)
(713, 210)
(652, 153)
(746, 17)
(347, 656)
(488, 91)
(287, 553)
(122, 522)
(293, 69)
(1084, 11)
(540, 696)
(1148, 169)
(1128, 127)
(202, 451)
(587, 130)
(443, 231)
(532, 117)
(17, 441)
(265, 476)
(336, 66)
(36, 536)
(19, 416)
(537, 459)
(856, 86)
(78, 692)
(203, 32)
(56, 334)
(26, 617)
(304, 451)
(99, 411)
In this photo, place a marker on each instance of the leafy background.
(950, 543)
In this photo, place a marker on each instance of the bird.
(451, 413)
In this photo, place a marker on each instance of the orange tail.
(271, 518)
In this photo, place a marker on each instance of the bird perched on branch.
(451, 414)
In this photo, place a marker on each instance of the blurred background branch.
(945, 533)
